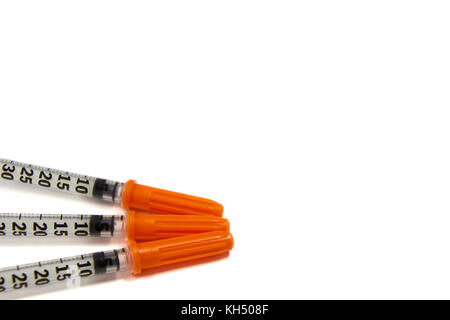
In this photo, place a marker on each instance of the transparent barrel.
(69, 270)
(21, 225)
(52, 179)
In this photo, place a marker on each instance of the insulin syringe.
(130, 194)
(134, 226)
(132, 259)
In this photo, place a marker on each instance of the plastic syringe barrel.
(135, 258)
(130, 195)
(69, 271)
(134, 226)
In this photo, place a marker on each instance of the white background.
(321, 126)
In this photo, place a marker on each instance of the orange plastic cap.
(152, 254)
(140, 197)
(145, 226)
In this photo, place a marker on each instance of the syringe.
(130, 194)
(134, 258)
(134, 226)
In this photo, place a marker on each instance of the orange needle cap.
(145, 226)
(140, 197)
(180, 249)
